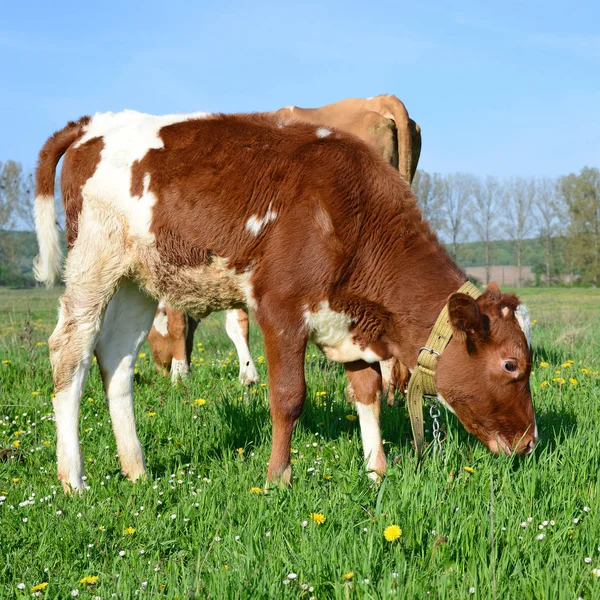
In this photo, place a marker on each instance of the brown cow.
(381, 121)
(306, 225)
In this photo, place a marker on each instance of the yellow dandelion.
(256, 490)
(16, 443)
(348, 576)
(534, 321)
(319, 394)
(6, 362)
(142, 355)
(91, 400)
(129, 531)
(543, 384)
(199, 401)
(89, 579)
(101, 528)
(15, 480)
(240, 451)
(39, 586)
(263, 385)
(392, 533)
(351, 417)
(559, 380)
(572, 381)
(543, 365)
(318, 518)
(469, 469)
(566, 365)
(327, 477)
(151, 414)
(36, 393)
(46, 442)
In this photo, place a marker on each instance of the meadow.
(200, 526)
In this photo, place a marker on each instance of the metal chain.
(434, 413)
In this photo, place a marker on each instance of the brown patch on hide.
(79, 165)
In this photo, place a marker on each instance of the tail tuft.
(47, 266)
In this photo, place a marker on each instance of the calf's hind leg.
(364, 387)
(89, 287)
(127, 321)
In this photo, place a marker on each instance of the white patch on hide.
(323, 132)
(443, 401)
(127, 137)
(330, 330)
(160, 323)
(255, 223)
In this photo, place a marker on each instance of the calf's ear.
(465, 316)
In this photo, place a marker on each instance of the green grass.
(201, 533)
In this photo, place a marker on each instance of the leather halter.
(422, 381)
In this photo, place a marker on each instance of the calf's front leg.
(364, 387)
(285, 346)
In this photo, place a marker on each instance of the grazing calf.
(381, 121)
(316, 233)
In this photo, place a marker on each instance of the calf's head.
(483, 374)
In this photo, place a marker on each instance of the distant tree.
(581, 194)
(484, 217)
(10, 185)
(24, 207)
(549, 223)
(16, 212)
(426, 188)
(519, 196)
(455, 191)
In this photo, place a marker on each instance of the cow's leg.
(236, 326)
(90, 284)
(160, 341)
(192, 325)
(285, 345)
(387, 377)
(127, 321)
(177, 324)
(364, 387)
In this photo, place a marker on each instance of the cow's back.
(205, 202)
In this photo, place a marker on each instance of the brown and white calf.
(381, 121)
(306, 225)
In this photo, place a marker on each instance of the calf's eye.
(510, 366)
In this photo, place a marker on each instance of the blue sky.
(509, 88)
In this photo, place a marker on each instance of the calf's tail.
(47, 266)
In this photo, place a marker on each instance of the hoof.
(70, 486)
(134, 475)
(282, 480)
(249, 376)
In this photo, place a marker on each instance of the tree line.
(561, 214)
